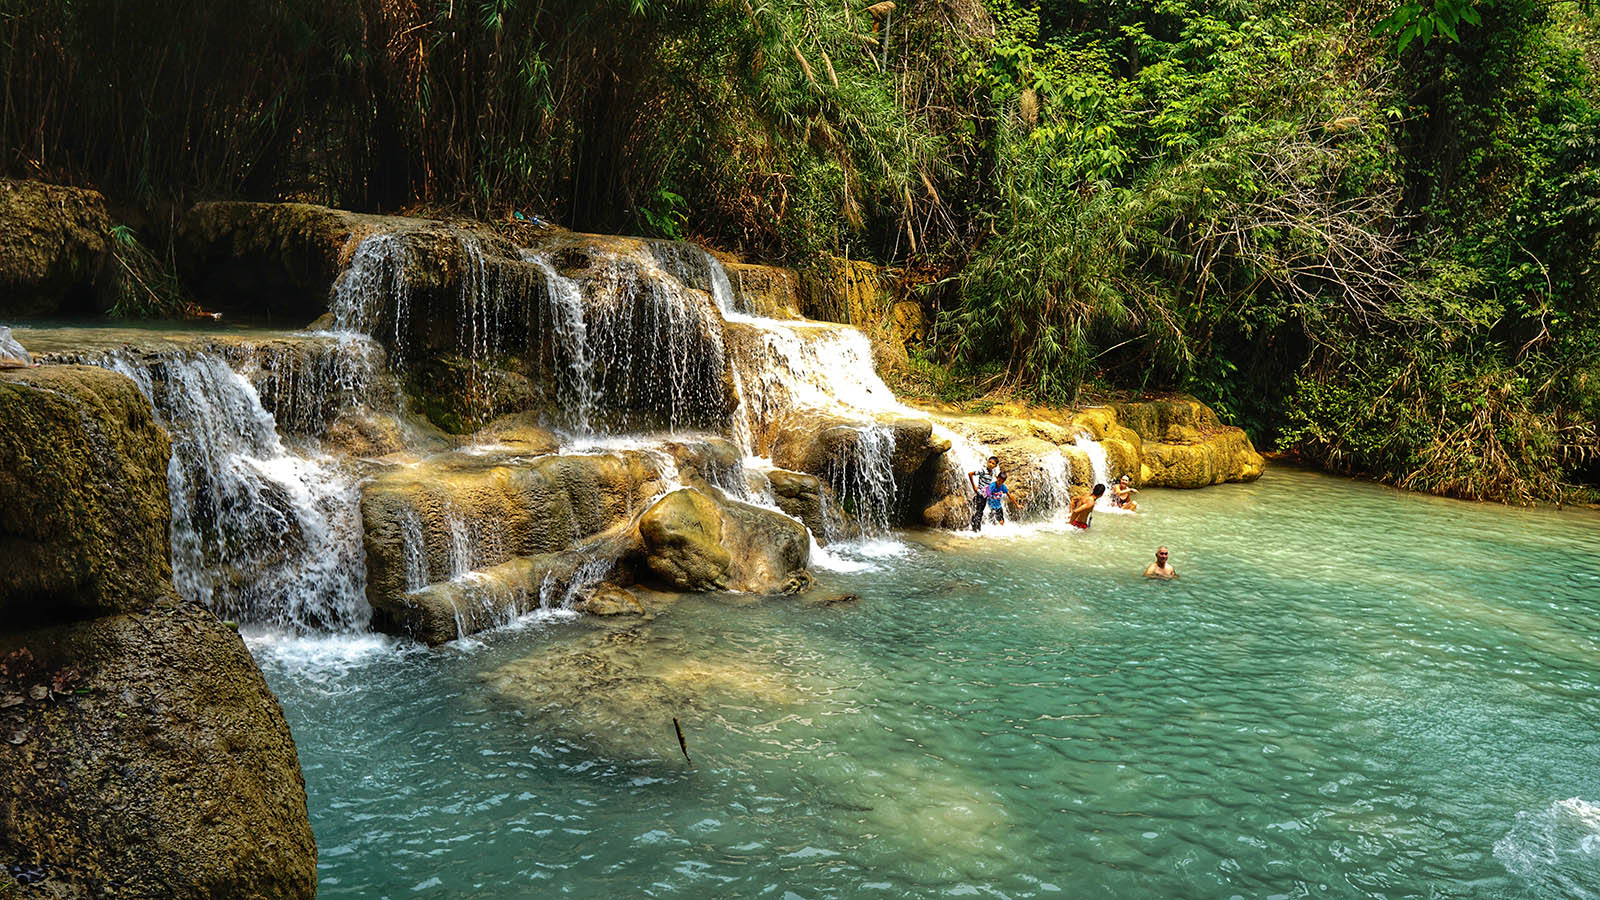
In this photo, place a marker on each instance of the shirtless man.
(1161, 568)
(1083, 505)
(1122, 494)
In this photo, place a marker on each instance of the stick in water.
(681, 745)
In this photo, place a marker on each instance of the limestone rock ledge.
(1174, 442)
(141, 752)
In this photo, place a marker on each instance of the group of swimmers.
(989, 487)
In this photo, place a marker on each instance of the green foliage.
(1412, 21)
(143, 285)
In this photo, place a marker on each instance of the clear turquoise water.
(1350, 692)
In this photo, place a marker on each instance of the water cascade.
(260, 532)
(569, 342)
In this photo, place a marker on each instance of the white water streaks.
(569, 337)
(362, 295)
(1556, 850)
(259, 532)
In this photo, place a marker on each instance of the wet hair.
(1099, 490)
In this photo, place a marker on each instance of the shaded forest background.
(1366, 231)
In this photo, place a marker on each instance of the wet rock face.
(83, 495)
(142, 755)
(53, 242)
(455, 513)
(271, 261)
(691, 542)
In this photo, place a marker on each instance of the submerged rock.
(53, 243)
(610, 600)
(83, 495)
(151, 760)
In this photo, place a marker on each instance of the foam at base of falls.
(259, 532)
(1556, 848)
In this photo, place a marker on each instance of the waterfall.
(416, 551)
(696, 268)
(721, 288)
(259, 532)
(569, 333)
(862, 477)
(1053, 493)
(379, 270)
(1098, 465)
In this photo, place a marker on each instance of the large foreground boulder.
(142, 755)
(53, 243)
(83, 495)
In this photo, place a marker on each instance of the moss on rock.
(84, 512)
(53, 245)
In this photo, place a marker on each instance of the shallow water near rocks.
(1350, 692)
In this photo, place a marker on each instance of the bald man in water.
(1161, 568)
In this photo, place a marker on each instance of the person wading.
(1161, 568)
(1083, 506)
(980, 481)
(1122, 494)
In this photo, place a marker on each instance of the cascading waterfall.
(259, 532)
(569, 334)
(1097, 462)
(862, 477)
(697, 268)
(1053, 493)
(416, 552)
(375, 287)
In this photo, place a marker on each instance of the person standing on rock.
(980, 481)
(1083, 506)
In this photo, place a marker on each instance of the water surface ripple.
(1350, 692)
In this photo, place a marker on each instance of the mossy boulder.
(142, 755)
(54, 241)
(690, 541)
(83, 495)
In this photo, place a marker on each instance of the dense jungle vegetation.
(1368, 231)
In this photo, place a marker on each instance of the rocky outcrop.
(832, 449)
(142, 755)
(83, 495)
(431, 521)
(489, 597)
(1185, 445)
(692, 542)
(273, 261)
(53, 242)
(141, 752)
(1176, 442)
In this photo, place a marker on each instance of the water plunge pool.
(1349, 692)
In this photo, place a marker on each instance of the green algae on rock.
(53, 243)
(83, 495)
